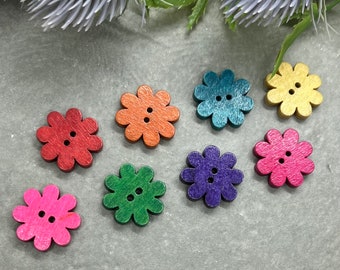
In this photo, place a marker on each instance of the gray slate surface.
(264, 228)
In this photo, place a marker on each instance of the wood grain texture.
(46, 217)
(223, 98)
(134, 194)
(294, 90)
(284, 158)
(147, 115)
(69, 139)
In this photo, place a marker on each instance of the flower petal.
(213, 197)
(228, 192)
(84, 158)
(277, 178)
(301, 70)
(66, 161)
(196, 191)
(210, 78)
(133, 132)
(110, 201)
(42, 242)
(265, 166)
(123, 117)
(123, 216)
(219, 119)
(166, 129)
(287, 108)
(201, 92)
(236, 118)
(285, 69)
(273, 136)
(61, 236)
(44, 134)
(74, 116)
(195, 159)
(90, 125)
(144, 92)
(228, 159)
(70, 220)
(304, 149)
(211, 153)
(129, 100)
(275, 96)
(55, 119)
(262, 149)
(315, 97)
(205, 109)
(295, 178)
(235, 176)
(163, 97)
(157, 188)
(304, 110)
(246, 104)
(188, 175)
(145, 174)
(306, 166)
(50, 195)
(151, 138)
(126, 171)
(25, 233)
(171, 114)
(291, 137)
(22, 213)
(241, 87)
(67, 202)
(94, 143)
(49, 151)
(314, 81)
(32, 197)
(227, 78)
(141, 217)
(274, 81)
(155, 206)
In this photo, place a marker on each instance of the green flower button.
(134, 194)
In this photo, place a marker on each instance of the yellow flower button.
(294, 89)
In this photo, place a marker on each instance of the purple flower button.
(212, 176)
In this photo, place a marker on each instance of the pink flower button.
(284, 158)
(46, 217)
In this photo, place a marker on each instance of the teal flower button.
(134, 194)
(223, 98)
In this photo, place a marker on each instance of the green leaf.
(231, 23)
(304, 21)
(290, 38)
(197, 12)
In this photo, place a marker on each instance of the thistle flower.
(79, 13)
(266, 11)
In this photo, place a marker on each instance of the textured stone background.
(264, 228)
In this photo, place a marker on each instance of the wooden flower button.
(284, 158)
(134, 194)
(294, 89)
(147, 115)
(223, 98)
(69, 139)
(212, 176)
(46, 217)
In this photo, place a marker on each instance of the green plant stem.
(300, 27)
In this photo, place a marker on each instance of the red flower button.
(69, 139)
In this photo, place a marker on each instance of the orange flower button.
(294, 89)
(147, 115)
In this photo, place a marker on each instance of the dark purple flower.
(211, 176)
